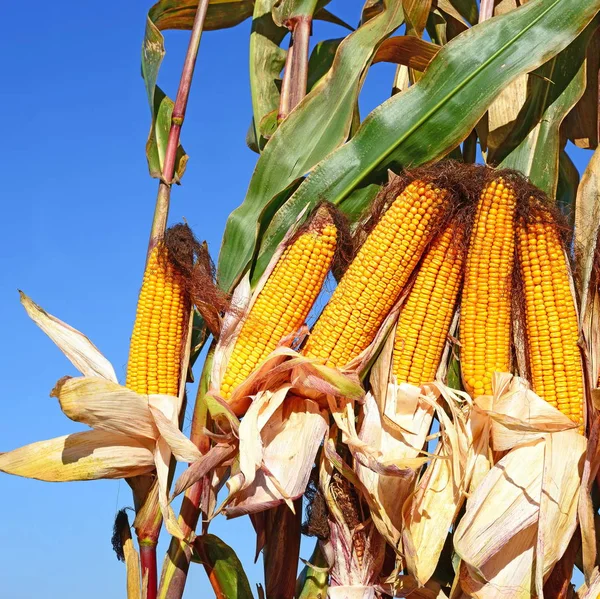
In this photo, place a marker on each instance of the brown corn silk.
(552, 331)
(485, 324)
(375, 278)
(286, 299)
(427, 313)
(162, 314)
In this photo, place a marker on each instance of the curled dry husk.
(354, 549)
(131, 434)
(522, 515)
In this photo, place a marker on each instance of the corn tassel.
(552, 331)
(427, 313)
(485, 330)
(157, 341)
(376, 277)
(285, 300)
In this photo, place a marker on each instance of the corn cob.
(551, 319)
(285, 301)
(485, 330)
(376, 277)
(427, 313)
(162, 314)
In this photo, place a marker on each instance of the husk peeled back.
(132, 434)
(521, 517)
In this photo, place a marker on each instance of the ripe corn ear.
(285, 300)
(552, 330)
(162, 314)
(428, 310)
(376, 277)
(485, 330)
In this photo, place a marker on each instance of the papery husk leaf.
(428, 514)
(288, 443)
(525, 506)
(182, 448)
(89, 455)
(590, 590)
(518, 414)
(403, 407)
(586, 510)
(82, 353)
(351, 592)
(105, 405)
(215, 456)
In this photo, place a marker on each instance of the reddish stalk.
(159, 222)
(295, 75)
(161, 211)
(148, 562)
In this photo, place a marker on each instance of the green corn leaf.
(533, 146)
(225, 566)
(174, 14)
(319, 124)
(431, 118)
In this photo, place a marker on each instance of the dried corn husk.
(525, 507)
(133, 434)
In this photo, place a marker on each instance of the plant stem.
(295, 76)
(148, 562)
(161, 211)
(161, 214)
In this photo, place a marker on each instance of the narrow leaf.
(407, 50)
(587, 223)
(317, 126)
(180, 14)
(533, 146)
(224, 567)
(430, 118)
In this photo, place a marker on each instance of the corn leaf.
(226, 569)
(178, 14)
(81, 456)
(267, 59)
(533, 146)
(581, 125)
(312, 582)
(467, 9)
(407, 50)
(419, 125)
(587, 223)
(566, 188)
(317, 126)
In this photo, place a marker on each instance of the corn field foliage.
(435, 433)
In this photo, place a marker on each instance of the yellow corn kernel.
(485, 330)
(376, 277)
(161, 319)
(552, 332)
(427, 312)
(285, 300)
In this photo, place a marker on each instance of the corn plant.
(435, 432)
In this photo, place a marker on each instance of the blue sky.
(78, 204)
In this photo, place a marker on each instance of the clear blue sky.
(78, 203)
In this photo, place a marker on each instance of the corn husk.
(132, 434)
(431, 510)
(591, 589)
(279, 439)
(391, 477)
(355, 549)
(521, 517)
